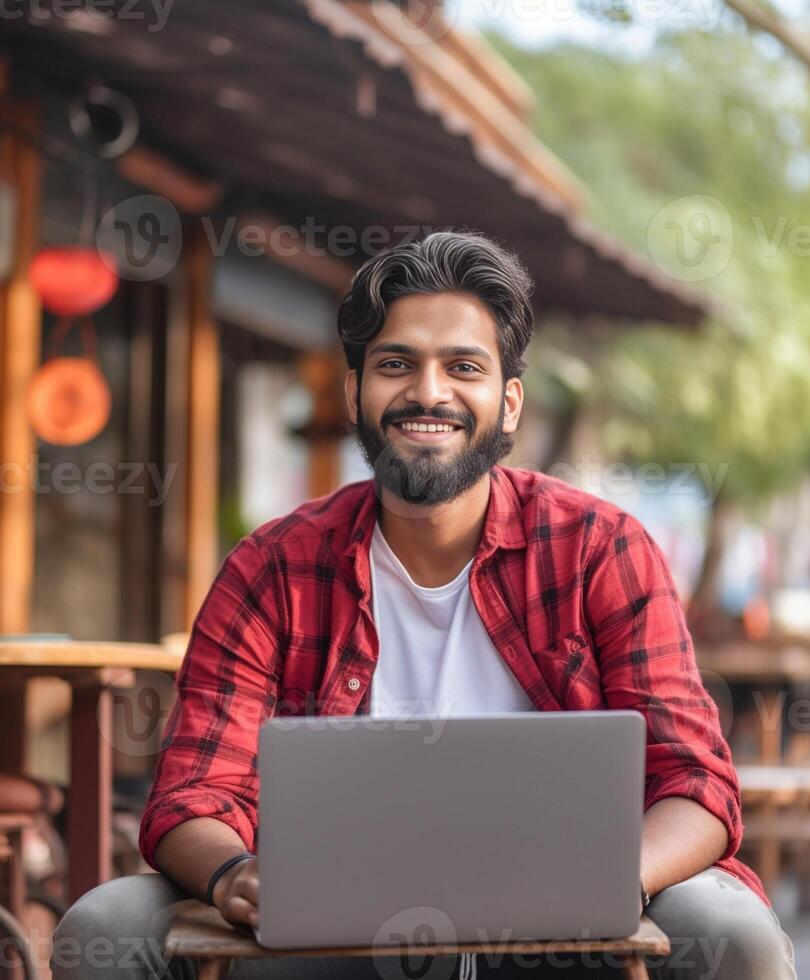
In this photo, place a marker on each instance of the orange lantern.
(73, 280)
(68, 400)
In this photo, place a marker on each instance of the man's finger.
(237, 909)
(248, 887)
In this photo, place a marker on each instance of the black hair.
(443, 261)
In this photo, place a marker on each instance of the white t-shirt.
(436, 658)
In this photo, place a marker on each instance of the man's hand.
(236, 894)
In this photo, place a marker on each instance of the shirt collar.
(503, 526)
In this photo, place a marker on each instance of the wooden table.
(770, 668)
(199, 931)
(92, 670)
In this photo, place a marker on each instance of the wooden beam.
(202, 485)
(20, 337)
(173, 552)
(285, 249)
(190, 192)
(443, 82)
(514, 92)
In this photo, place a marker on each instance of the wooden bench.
(199, 931)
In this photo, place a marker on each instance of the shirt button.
(354, 684)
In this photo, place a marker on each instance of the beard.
(430, 474)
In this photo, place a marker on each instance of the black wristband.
(209, 895)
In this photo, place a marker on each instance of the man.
(453, 585)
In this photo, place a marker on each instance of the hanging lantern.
(68, 400)
(73, 280)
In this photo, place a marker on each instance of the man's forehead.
(436, 323)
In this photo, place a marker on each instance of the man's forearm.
(679, 838)
(192, 851)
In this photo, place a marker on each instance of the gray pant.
(719, 930)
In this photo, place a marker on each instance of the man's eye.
(396, 364)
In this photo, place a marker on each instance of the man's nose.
(429, 386)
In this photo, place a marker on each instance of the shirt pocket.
(570, 666)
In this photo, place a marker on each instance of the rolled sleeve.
(647, 663)
(226, 687)
(714, 794)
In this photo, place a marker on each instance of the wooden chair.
(22, 798)
(199, 931)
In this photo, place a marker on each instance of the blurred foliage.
(722, 114)
(232, 523)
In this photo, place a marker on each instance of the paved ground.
(797, 927)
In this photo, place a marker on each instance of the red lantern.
(73, 280)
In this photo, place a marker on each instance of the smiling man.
(450, 584)
(434, 418)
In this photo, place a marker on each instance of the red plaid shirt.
(574, 593)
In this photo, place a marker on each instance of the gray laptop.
(379, 832)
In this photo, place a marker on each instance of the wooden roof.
(312, 111)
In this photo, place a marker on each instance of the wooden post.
(322, 373)
(20, 334)
(20, 337)
(90, 812)
(634, 967)
(202, 475)
(770, 848)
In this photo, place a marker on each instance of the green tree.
(722, 115)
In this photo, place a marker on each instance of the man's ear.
(513, 397)
(351, 392)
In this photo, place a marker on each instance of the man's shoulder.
(586, 528)
(548, 500)
(334, 513)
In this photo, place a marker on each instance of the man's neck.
(434, 543)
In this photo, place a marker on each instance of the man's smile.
(418, 430)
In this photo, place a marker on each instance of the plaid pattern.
(574, 593)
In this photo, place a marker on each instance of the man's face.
(436, 361)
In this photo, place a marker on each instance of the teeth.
(425, 427)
